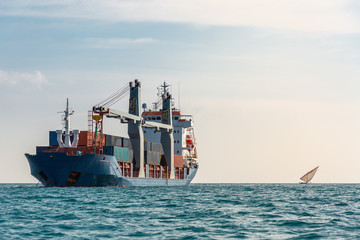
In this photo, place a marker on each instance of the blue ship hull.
(90, 170)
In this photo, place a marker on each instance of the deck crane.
(135, 123)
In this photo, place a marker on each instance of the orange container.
(86, 138)
(178, 161)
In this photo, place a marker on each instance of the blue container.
(121, 154)
(53, 139)
(126, 155)
(108, 150)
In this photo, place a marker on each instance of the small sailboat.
(308, 176)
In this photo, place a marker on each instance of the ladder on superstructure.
(90, 135)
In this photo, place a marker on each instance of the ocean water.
(198, 211)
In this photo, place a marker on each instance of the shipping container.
(108, 150)
(53, 138)
(127, 143)
(178, 161)
(83, 138)
(147, 146)
(121, 154)
(111, 140)
(152, 158)
(157, 147)
(86, 138)
(153, 146)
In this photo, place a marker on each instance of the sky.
(273, 86)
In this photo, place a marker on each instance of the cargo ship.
(160, 149)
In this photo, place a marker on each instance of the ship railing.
(155, 172)
(135, 172)
(186, 116)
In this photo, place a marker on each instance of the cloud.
(15, 79)
(329, 16)
(111, 43)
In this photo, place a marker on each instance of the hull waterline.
(91, 170)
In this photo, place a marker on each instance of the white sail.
(309, 175)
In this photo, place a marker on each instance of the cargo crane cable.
(116, 98)
(113, 98)
(157, 103)
(115, 93)
(120, 97)
(107, 99)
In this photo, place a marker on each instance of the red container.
(83, 138)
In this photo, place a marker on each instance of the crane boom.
(136, 122)
(114, 113)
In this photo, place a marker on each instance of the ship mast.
(67, 134)
(66, 141)
(163, 89)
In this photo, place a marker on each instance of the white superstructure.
(183, 131)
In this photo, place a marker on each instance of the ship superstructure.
(160, 150)
(183, 131)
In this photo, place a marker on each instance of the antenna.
(164, 88)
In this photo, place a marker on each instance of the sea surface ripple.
(198, 211)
